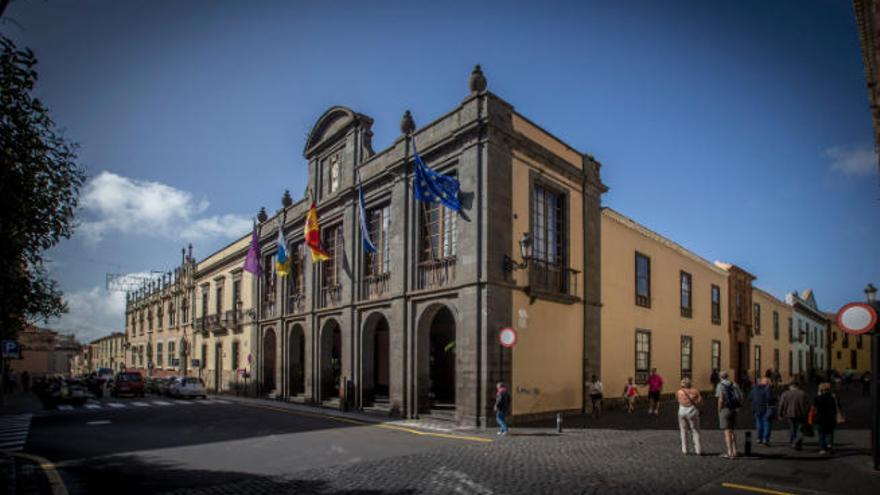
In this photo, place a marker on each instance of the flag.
(369, 247)
(252, 261)
(313, 236)
(434, 187)
(282, 258)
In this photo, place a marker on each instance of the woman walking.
(629, 395)
(689, 401)
(826, 417)
(596, 391)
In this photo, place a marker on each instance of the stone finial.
(286, 200)
(407, 124)
(477, 81)
(262, 216)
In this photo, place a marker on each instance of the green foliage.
(40, 182)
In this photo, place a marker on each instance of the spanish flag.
(313, 236)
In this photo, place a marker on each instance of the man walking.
(502, 407)
(655, 386)
(763, 401)
(794, 405)
(729, 401)
(596, 392)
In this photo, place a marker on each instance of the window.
(776, 360)
(150, 321)
(687, 347)
(790, 330)
(159, 356)
(439, 233)
(236, 293)
(333, 173)
(235, 355)
(854, 359)
(801, 366)
(141, 354)
(333, 243)
(776, 327)
(686, 302)
(170, 314)
(833, 337)
(159, 317)
(757, 317)
(643, 280)
(790, 363)
(716, 304)
(858, 343)
(295, 279)
(172, 355)
(204, 302)
(548, 270)
(204, 362)
(379, 226)
(184, 310)
(846, 341)
(218, 294)
(643, 355)
(716, 355)
(757, 361)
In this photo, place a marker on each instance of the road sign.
(194, 363)
(507, 337)
(11, 349)
(857, 318)
(242, 371)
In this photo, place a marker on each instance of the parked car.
(151, 385)
(164, 385)
(189, 387)
(59, 390)
(128, 383)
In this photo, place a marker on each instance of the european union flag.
(434, 187)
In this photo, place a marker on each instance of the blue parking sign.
(11, 349)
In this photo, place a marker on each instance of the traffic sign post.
(506, 339)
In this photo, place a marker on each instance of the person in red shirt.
(655, 386)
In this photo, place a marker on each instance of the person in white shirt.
(595, 390)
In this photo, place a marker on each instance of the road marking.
(183, 402)
(140, 404)
(115, 404)
(99, 422)
(377, 425)
(219, 401)
(754, 489)
(14, 431)
(56, 484)
(161, 403)
(93, 406)
(65, 407)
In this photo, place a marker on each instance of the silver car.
(189, 387)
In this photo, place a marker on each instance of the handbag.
(811, 416)
(839, 417)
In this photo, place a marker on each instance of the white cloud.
(113, 203)
(93, 313)
(852, 161)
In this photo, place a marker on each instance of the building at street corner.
(848, 353)
(740, 318)
(108, 352)
(158, 322)
(663, 307)
(44, 352)
(771, 336)
(809, 348)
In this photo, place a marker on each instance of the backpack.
(731, 397)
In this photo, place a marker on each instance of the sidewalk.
(21, 476)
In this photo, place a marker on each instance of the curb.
(56, 484)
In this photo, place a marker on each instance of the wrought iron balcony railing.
(373, 286)
(331, 295)
(552, 278)
(436, 273)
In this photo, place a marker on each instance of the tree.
(40, 182)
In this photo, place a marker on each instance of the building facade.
(740, 318)
(771, 335)
(108, 352)
(848, 352)
(809, 348)
(662, 307)
(44, 352)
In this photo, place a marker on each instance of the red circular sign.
(857, 318)
(507, 337)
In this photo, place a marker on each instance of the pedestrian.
(714, 379)
(794, 405)
(596, 392)
(689, 401)
(827, 410)
(630, 392)
(763, 401)
(655, 387)
(866, 383)
(502, 407)
(729, 401)
(777, 380)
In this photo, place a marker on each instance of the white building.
(809, 333)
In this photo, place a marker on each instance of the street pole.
(871, 293)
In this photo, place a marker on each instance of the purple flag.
(252, 261)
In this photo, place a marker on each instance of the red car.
(128, 383)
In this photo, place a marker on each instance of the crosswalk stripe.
(115, 404)
(14, 431)
(220, 401)
(183, 402)
(65, 407)
(140, 404)
(93, 406)
(161, 403)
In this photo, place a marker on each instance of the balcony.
(330, 296)
(296, 303)
(267, 309)
(552, 279)
(374, 286)
(436, 273)
(212, 322)
(199, 324)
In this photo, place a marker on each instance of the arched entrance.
(297, 360)
(269, 361)
(437, 361)
(376, 363)
(331, 360)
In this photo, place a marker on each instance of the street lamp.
(525, 251)
(871, 293)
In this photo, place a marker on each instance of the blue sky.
(738, 129)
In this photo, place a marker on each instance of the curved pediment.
(333, 123)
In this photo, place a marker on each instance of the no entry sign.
(507, 337)
(856, 318)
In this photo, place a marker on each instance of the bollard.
(748, 443)
(558, 422)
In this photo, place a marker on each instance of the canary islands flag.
(313, 236)
(282, 258)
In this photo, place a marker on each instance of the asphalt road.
(166, 445)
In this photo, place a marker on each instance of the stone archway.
(330, 360)
(436, 360)
(376, 363)
(268, 377)
(297, 360)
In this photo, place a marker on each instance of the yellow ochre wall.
(621, 317)
(844, 362)
(766, 339)
(548, 357)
